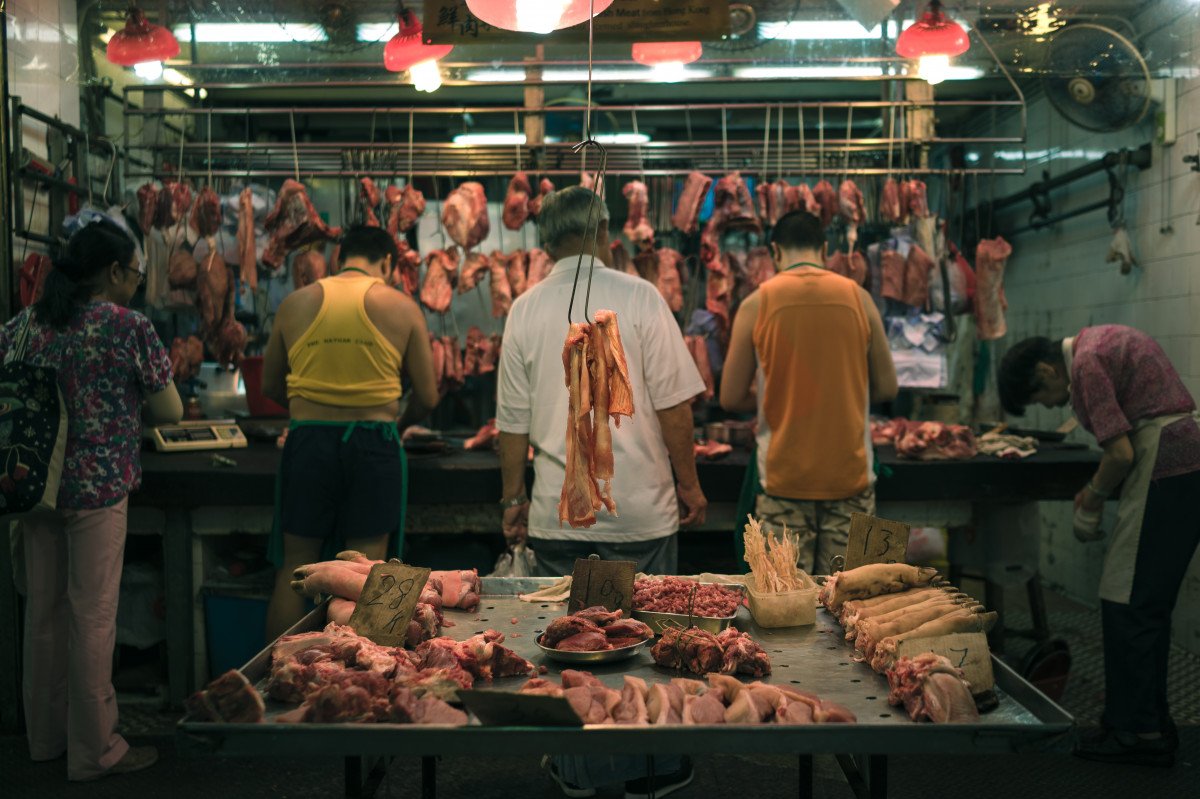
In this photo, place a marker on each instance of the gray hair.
(564, 215)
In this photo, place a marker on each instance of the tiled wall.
(1058, 281)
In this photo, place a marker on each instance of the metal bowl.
(659, 621)
(605, 656)
(734, 433)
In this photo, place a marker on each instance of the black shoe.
(1170, 735)
(664, 784)
(568, 788)
(1114, 746)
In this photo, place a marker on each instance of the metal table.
(815, 658)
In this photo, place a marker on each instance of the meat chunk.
(929, 687)
(694, 650)
(669, 280)
(369, 199)
(516, 202)
(292, 223)
(438, 288)
(890, 209)
(247, 245)
(850, 207)
(687, 210)
(206, 213)
(742, 654)
(759, 267)
(852, 265)
(580, 497)
(465, 216)
(404, 208)
(147, 195)
(229, 698)
(733, 207)
(545, 186)
(936, 441)
(637, 224)
(584, 642)
(474, 267)
(502, 295)
(827, 199)
(620, 258)
(406, 275)
(991, 257)
(186, 356)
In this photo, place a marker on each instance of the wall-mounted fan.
(745, 32)
(1096, 78)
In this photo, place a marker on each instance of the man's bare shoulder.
(386, 299)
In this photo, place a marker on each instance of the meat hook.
(593, 226)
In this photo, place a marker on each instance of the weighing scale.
(201, 434)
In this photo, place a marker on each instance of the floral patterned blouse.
(108, 360)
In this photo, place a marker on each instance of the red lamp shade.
(651, 53)
(933, 34)
(535, 16)
(407, 48)
(140, 41)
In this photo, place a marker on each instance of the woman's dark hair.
(1017, 378)
(71, 282)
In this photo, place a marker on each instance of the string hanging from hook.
(638, 144)
(295, 148)
(766, 144)
(849, 136)
(820, 142)
(800, 121)
(724, 138)
(779, 149)
(410, 147)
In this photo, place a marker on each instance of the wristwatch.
(520, 499)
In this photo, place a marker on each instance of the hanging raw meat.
(733, 207)
(407, 274)
(438, 288)
(368, 196)
(914, 199)
(247, 246)
(719, 290)
(645, 265)
(890, 209)
(620, 258)
(773, 201)
(991, 256)
(917, 268)
(545, 186)
(205, 217)
(850, 207)
(686, 218)
(516, 202)
(891, 265)
(853, 265)
(637, 224)
(474, 267)
(182, 270)
(404, 208)
(827, 200)
(800, 198)
(620, 391)
(308, 267)
(602, 465)
(147, 196)
(515, 266)
(186, 356)
(292, 223)
(213, 290)
(540, 265)
(698, 347)
(501, 291)
(465, 215)
(588, 180)
(229, 344)
(580, 498)
(759, 266)
(669, 278)
(454, 374)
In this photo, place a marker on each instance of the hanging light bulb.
(535, 16)
(148, 70)
(426, 76)
(933, 40)
(140, 42)
(654, 53)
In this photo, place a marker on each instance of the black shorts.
(351, 489)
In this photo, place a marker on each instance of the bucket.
(252, 369)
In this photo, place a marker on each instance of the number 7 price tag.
(608, 583)
(387, 602)
(875, 540)
(967, 651)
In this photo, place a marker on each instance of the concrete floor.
(1020, 777)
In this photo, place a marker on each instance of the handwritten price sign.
(602, 582)
(967, 651)
(387, 602)
(875, 540)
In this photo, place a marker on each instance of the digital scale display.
(180, 434)
(197, 435)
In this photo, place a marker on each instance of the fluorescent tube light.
(806, 30)
(809, 72)
(246, 32)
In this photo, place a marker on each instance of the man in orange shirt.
(809, 354)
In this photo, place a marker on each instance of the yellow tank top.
(343, 359)
(811, 339)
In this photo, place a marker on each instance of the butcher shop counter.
(814, 658)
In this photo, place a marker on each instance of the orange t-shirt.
(811, 339)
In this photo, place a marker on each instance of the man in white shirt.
(532, 405)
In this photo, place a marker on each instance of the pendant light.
(142, 45)
(656, 53)
(933, 40)
(535, 16)
(408, 51)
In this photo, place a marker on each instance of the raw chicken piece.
(465, 215)
(516, 202)
(991, 256)
(540, 265)
(438, 288)
(545, 186)
(827, 199)
(637, 225)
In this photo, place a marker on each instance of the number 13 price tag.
(387, 602)
(875, 540)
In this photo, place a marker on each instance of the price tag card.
(387, 602)
(967, 651)
(508, 708)
(875, 540)
(602, 582)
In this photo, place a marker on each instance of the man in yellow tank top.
(808, 353)
(335, 358)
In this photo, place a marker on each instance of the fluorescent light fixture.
(1042, 155)
(426, 76)
(148, 70)
(808, 72)
(377, 31)
(946, 71)
(490, 138)
(560, 75)
(246, 32)
(806, 30)
(669, 72)
(621, 138)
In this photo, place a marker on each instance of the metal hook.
(593, 225)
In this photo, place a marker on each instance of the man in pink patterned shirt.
(1124, 390)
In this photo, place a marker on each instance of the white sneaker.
(573, 791)
(664, 784)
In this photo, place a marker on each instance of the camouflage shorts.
(823, 526)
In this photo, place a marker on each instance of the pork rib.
(292, 223)
(474, 267)
(540, 265)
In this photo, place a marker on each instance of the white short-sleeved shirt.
(532, 398)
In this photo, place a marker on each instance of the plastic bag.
(519, 561)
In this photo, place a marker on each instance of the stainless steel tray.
(591, 658)
(713, 624)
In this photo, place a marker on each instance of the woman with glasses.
(112, 370)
